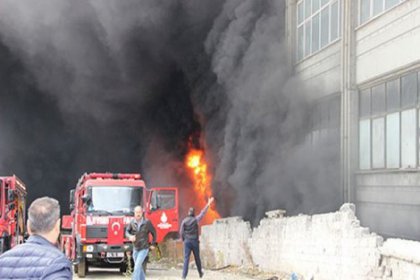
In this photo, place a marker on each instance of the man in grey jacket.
(189, 234)
(39, 257)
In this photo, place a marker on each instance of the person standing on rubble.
(189, 235)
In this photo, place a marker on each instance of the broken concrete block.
(275, 214)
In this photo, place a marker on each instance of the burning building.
(302, 105)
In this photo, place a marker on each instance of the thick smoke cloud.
(93, 85)
(90, 85)
(263, 156)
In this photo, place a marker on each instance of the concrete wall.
(389, 202)
(386, 43)
(322, 71)
(401, 259)
(318, 246)
(326, 246)
(224, 243)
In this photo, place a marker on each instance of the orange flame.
(196, 164)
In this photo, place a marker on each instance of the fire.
(196, 164)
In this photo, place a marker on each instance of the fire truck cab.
(12, 212)
(102, 205)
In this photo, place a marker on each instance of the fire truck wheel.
(123, 267)
(82, 268)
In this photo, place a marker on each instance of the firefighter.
(189, 235)
(138, 232)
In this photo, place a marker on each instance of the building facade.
(363, 55)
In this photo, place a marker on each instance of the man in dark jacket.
(138, 232)
(39, 257)
(189, 234)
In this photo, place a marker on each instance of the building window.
(389, 117)
(378, 143)
(318, 25)
(371, 8)
(364, 143)
(393, 140)
(408, 138)
(325, 120)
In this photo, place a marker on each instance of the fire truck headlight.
(88, 248)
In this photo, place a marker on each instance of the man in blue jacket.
(39, 257)
(189, 234)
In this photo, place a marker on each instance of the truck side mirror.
(86, 199)
(71, 199)
(11, 195)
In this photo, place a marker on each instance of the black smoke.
(91, 85)
(122, 85)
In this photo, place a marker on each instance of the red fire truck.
(12, 212)
(102, 205)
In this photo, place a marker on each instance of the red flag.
(116, 230)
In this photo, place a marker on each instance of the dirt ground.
(168, 272)
(164, 274)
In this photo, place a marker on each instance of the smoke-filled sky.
(120, 86)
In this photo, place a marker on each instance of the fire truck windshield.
(114, 200)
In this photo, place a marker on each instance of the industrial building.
(362, 62)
